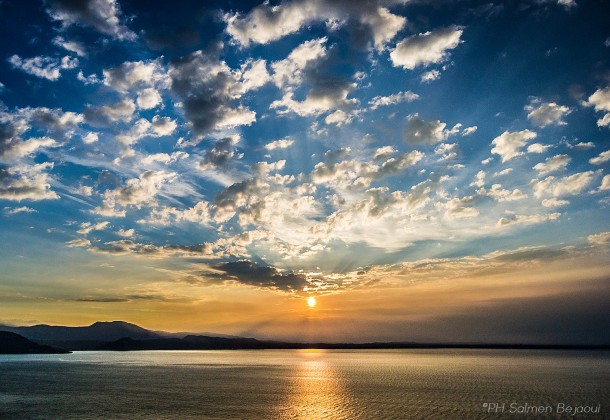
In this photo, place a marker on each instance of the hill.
(11, 343)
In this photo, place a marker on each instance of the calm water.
(301, 384)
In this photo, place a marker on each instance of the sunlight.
(311, 302)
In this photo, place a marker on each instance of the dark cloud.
(103, 15)
(252, 274)
(222, 151)
(209, 91)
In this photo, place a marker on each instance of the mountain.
(11, 343)
(99, 331)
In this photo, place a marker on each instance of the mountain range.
(123, 336)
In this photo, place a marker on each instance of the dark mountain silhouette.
(99, 331)
(123, 336)
(11, 343)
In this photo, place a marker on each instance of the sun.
(311, 301)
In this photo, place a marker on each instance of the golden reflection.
(317, 390)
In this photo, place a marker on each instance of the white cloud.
(70, 45)
(136, 192)
(426, 48)
(135, 75)
(87, 227)
(395, 98)
(538, 148)
(603, 157)
(584, 145)
(605, 185)
(569, 185)
(604, 121)
(469, 130)
(16, 210)
(163, 126)
(602, 238)
(148, 98)
(266, 23)
(126, 233)
(508, 145)
(600, 99)
(430, 76)
(554, 202)
(543, 114)
(289, 71)
(17, 148)
(349, 174)
(497, 193)
(519, 219)
(552, 164)
(384, 152)
(22, 182)
(280, 144)
(90, 138)
(44, 67)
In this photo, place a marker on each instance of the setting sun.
(311, 301)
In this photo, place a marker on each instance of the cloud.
(605, 185)
(199, 213)
(499, 194)
(543, 114)
(22, 182)
(508, 145)
(602, 238)
(418, 131)
(209, 90)
(70, 45)
(554, 202)
(430, 76)
(220, 154)
(87, 227)
(136, 192)
(600, 100)
(569, 185)
(602, 158)
(552, 164)
(252, 274)
(426, 48)
(135, 75)
(520, 219)
(280, 144)
(393, 99)
(106, 115)
(266, 23)
(44, 67)
(103, 15)
(538, 148)
(53, 120)
(16, 148)
(16, 210)
(354, 174)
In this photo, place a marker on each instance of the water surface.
(300, 384)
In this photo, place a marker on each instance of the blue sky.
(153, 156)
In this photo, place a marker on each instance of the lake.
(306, 384)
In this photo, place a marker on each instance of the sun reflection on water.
(316, 391)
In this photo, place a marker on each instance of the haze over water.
(299, 384)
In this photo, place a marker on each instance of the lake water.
(304, 384)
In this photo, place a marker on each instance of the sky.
(427, 170)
